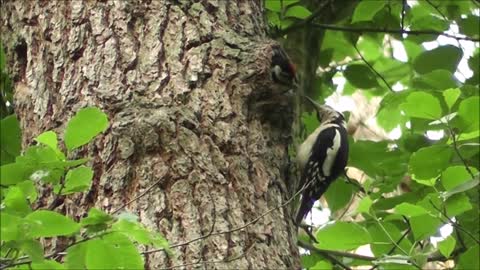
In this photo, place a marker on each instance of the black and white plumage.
(322, 157)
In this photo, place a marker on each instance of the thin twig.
(437, 9)
(235, 229)
(306, 21)
(56, 200)
(457, 151)
(210, 262)
(326, 255)
(390, 252)
(389, 236)
(453, 223)
(136, 198)
(372, 68)
(402, 22)
(355, 183)
(440, 257)
(59, 253)
(391, 31)
(335, 252)
(210, 232)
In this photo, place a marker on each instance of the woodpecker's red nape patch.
(293, 69)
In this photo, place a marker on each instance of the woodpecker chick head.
(327, 114)
(282, 69)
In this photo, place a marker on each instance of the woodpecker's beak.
(317, 106)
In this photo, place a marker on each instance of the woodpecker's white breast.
(304, 151)
(331, 154)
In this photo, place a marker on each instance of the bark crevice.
(192, 109)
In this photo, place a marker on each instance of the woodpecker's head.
(283, 70)
(327, 114)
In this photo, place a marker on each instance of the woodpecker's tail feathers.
(305, 207)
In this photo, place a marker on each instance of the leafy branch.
(391, 31)
(373, 69)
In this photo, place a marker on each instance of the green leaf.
(410, 210)
(322, 265)
(389, 118)
(389, 115)
(457, 204)
(447, 246)
(364, 205)
(376, 159)
(49, 224)
(469, 26)
(473, 63)
(462, 187)
(370, 48)
(430, 106)
(438, 79)
(456, 175)
(424, 226)
(84, 126)
(337, 44)
(78, 179)
(95, 217)
(469, 114)
(309, 261)
(10, 139)
(451, 95)
(13, 173)
(113, 251)
(381, 242)
(342, 236)
(298, 12)
(413, 49)
(76, 255)
(392, 70)
(15, 202)
(469, 259)
(138, 233)
(444, 57)
(47, 264)
(338, 195)
(10, 227)
(360, 76)
(29, 190)
(34, 250)
(366, 10)
(429, 162)
(48, 138)
(275, 5)
(273, 19)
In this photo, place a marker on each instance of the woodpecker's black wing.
(327, 160)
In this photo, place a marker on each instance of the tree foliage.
(422, 91)
(98, 241)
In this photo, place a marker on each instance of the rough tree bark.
(182, 83)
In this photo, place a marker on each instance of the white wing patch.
(331, 154)
(303, 153)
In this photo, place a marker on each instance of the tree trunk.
(190, 150)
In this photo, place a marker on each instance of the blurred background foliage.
(406, 73)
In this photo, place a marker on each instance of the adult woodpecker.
(322, 157)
